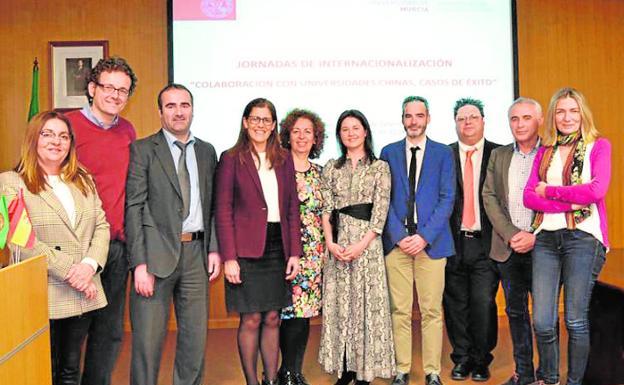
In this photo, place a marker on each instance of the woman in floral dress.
(356, 339)
(303, 133)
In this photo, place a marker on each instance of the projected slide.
(328, 56)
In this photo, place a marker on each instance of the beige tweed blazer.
(63, 244)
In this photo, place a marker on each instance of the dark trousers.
(516, 281)
(470, 304)
(106, 331)
(294, 333)
(187, 286)
(66, 338)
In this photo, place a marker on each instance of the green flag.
(34, 93)
(4, 222)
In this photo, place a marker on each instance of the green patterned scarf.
(572, 170)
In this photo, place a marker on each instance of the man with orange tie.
(471, 277)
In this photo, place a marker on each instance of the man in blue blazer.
(417, 237)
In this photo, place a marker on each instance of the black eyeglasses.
(109, 89)
(256, 120)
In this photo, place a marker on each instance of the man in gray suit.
(512, 240)
(171, 241)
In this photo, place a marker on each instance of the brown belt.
(188, 237)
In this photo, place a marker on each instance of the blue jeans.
(516, 276)
(572, 259)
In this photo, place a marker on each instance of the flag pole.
(16, 255)
(34, 92)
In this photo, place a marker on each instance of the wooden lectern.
(24, 326)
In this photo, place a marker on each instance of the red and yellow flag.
(20, 229)
(4, 222)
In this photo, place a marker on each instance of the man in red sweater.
(103, 145)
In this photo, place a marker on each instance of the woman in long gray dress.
(356, 339)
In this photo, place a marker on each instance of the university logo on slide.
(204, 10)
(219, 9)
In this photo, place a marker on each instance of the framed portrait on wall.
(70, 65)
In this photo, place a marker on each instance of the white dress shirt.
(268, 180)
(63, 193)
(419, 159)
(195, 220)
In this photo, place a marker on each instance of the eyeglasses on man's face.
(110, 89)
(468, 118)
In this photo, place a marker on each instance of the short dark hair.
(287, 124)
(172, 86)
(468, 101)
(368, 141)
(111, 64)
(410, 99)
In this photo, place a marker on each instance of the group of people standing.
(348, 240)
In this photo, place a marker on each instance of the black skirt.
(263, 286)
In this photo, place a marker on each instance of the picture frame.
(70, 66)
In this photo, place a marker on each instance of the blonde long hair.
(33, 174)
(589, 131)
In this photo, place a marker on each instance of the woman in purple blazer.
(258, 228)
(567, 189)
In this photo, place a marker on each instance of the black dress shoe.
(480, 373)
(287, 378)
(346, 378)
(301, 380)
(433, 379)
(401, 379)
(461, 371)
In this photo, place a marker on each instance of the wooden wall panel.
(579, 43)
(136, 30)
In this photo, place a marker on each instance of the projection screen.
(331, 55)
